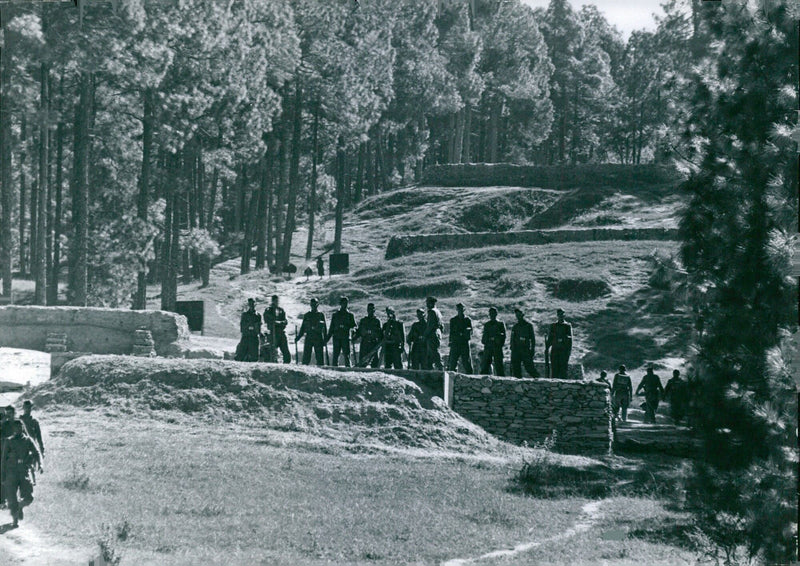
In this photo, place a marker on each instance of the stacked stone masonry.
(143, 344)
(89, 329)
(399, 246)
(56, 342)
(529, 410)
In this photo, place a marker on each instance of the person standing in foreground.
(342, 324)
(523, 345)
(20, 459)
(250, 327)
(493, 338)
(460, 333)
(393, 341)
(621, 393)
(313, 328)
(275, 319)
(369, 331)
(416, 342)
(653, 391)
(433, 335)
(559, 342)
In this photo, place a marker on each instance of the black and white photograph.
(399, 282)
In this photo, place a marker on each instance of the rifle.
(296, 358)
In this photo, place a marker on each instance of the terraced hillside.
(603, 286)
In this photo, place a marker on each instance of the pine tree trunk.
(34, 221)
(79, 244)
(261, 219)
(40, 289)
(466, 155)
(359, 174)
(148, 121)
(55, 272)
(171, 248)
(280, 189)
(337, 234)
(458, 139)
(312, 197)
(494, 123)
(23, 196)
(294, 171)
(6, 179)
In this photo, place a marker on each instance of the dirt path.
(26, 545)
(591, 512)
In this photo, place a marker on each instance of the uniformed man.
(653, 391)
(559, 342)
(604, 379)
(20, 460)
(250, 327)
(677, 393)
(460, 333)
(6, 432)
(275, 319)
(370, 333)
(523, 345)
(32, 425)
(493, 338)
(313, 328)
(394, 339)
(621, 393)
(342, 324)
(433, 335)
(416, 342)
(320, 266)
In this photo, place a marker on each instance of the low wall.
(548, 177)
(431, 380)
(528, 410)
(406, 245)
(90, 329)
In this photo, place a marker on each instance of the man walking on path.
(460, 333)
(32, 425)
(559, 341)
(653, 391)
(416, 342)
(313, 328)
(250, 327)
(523, 345)
(20, 459)
(369, 332)
(677, 393)
(342, 324)
(493, 338)
(394, 340)
(433, 336)
(621, 393)
(275, 319)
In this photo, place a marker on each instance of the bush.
(578, 289)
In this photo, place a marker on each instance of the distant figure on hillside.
(32, 425)
(677, 393)
(313, 328)
(308, 272)
(460, 333)
(621, 393)
(523, 345)
(653, 391)
(559, 342)
(250, 327)
(320, 266)
(275, 319)
(493, 338)
(416, 342)
(370, 333)
(20, 460)
(394, 340)
(433, 336)
(342, 324)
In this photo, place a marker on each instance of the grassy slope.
(619, 320)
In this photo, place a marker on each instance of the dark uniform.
(33, 430)
(433, 339)
(416, 343)
(653, 391)
(275, 319)
(677, 393)
(313, 328)
(523, 344)
(460, 333)
(320, 267)
(20, 458)
(371, 335)
(559, 340)
(394, 337)
(250, 327)
(6, 432)
(493, 338)
(621, 393)
(342, 322)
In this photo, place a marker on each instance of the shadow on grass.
(7, 527)
(669, 531)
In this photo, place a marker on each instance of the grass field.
(186, 493)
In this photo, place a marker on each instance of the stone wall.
(529, 410)
(89, 329)
(432, 380)
(406, 245)
(548, 177)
